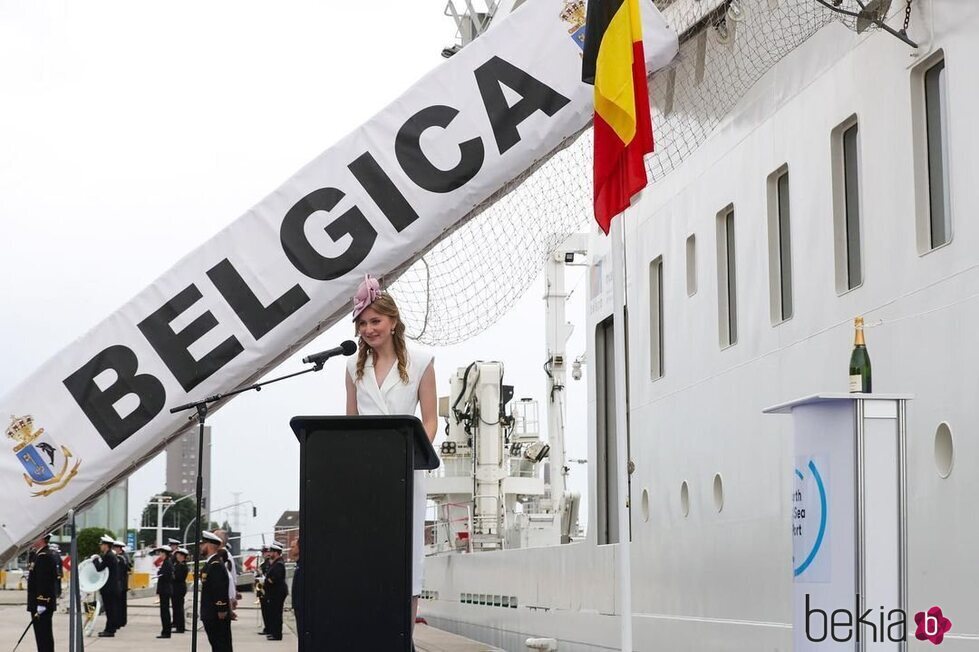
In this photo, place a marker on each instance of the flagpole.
(624, 566)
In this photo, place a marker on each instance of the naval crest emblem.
(49, 467)
(573, 13)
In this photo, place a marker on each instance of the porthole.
(684, 499)
(718, 492)
(944, 450)
(644, 503)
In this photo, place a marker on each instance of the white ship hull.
(722, 580)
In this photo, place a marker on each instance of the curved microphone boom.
(346, 348)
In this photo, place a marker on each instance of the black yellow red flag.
(615, 63)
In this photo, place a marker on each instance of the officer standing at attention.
(179, 588)
(275, 592)
(110, 591)
(56, 554)
(215, 606)
(229, 563)
(42, 594)
(260, 590)
(164, 589)
(119, 548)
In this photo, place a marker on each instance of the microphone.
(346, 348)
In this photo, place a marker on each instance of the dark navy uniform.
(123, 606)
(214, 602)
(164, 589)
(179, 591)
(56, 554)
(110, 591)
(42, 595)
(275, 594)
(263, 597)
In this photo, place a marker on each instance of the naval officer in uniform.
(58, 561)
(109, 591)
(42, 594)
(164, 589)
(275, 592)
(179, 588)
(122, 559)
(263, 570)
(215, 606)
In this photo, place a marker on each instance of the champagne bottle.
(859, 361)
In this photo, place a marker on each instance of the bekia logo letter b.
(932, 625)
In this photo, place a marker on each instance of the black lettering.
(535, 96)
(382, 190)
(172, 346)
(407, 147)
(901, 626)
(809, 613)
(258, 319)
(845, 623)
(98, 405)
(301, 253)
(862, 620)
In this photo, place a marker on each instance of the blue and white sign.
(811, 560)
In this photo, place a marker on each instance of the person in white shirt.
(390, 377)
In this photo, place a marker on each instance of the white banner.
(284, 271)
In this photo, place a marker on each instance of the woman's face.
(375, 328)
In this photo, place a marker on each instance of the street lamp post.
(160, 501)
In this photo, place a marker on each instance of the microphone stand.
(201, 408)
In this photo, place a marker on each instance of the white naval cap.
(210, 537)
(118, 544)
(276, 546)
(173, 541)
(105, 538)
(182, 551)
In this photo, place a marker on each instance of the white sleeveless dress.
(396, 397)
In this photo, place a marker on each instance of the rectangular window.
(853, 264)
(656, 318)
(846, 206)
(691, 265)
(606, 466)
(727, 289)
(779, 246)
(937, 154)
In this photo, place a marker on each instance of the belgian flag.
(615, 63)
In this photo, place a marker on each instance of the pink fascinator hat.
(367, 292)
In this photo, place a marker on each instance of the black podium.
(355, 505)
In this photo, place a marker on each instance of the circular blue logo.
(801, 568)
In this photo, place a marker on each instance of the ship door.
(607, 465)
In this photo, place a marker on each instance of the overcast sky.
(132, 132)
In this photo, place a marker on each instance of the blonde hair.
(386, 306)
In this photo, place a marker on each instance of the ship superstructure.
(838, 186)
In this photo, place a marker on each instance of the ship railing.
(443, 523)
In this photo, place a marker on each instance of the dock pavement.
(144, 624)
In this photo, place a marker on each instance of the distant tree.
(178, 516)
(88, 541)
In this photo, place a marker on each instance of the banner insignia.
(574, 13)
(38, 455)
